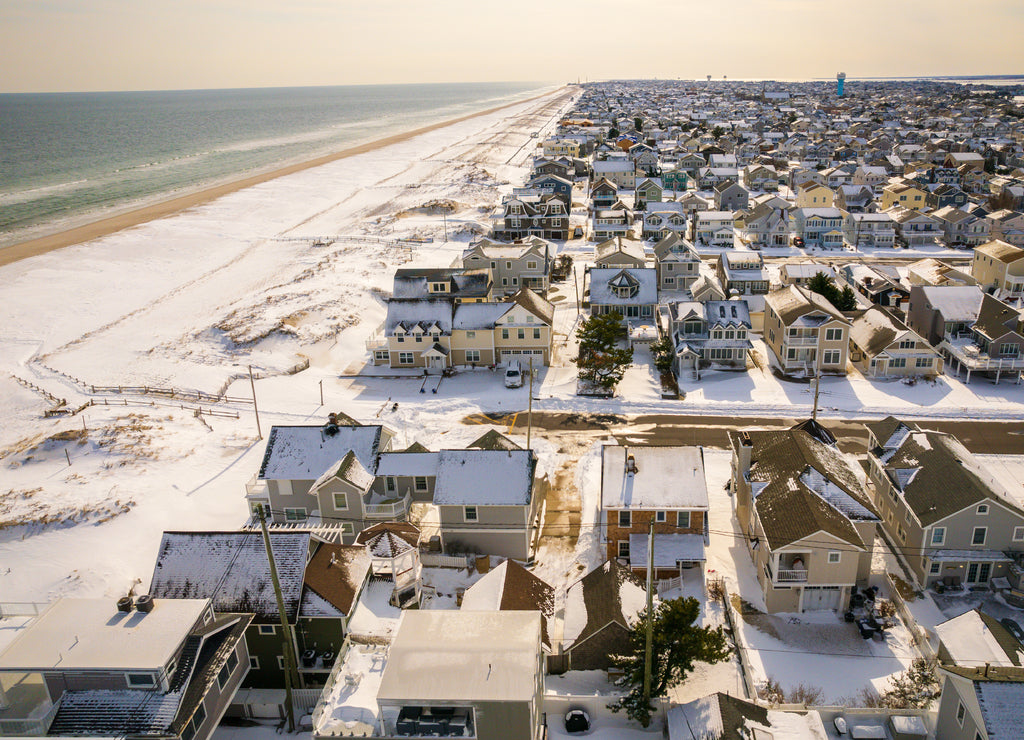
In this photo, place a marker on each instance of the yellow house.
(805, 332)
(999, 265)
(904, 194)
(810, 194)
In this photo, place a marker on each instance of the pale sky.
(74, 45)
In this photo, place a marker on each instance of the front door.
(881, 365)
(983, 572)
(972, 573)
(435, 363)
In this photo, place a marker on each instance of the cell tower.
(840, 83)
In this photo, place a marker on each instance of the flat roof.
(463, 656)
(91, 634)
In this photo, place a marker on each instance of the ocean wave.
(14, 197)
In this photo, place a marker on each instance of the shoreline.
(177, 204)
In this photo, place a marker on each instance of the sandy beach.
(113, 224)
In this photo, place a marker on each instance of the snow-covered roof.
(484, 478)
(666, 478)
(408, 463)
(1002, 707)
(970, 642)
(601, 292)
(669, 549)
(478, 315)
(463, 656)
(306, 452)
(419, 313)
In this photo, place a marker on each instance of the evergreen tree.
(823, 285)
(915, 688)
(600, 359)
(664, 354)
(677, 644)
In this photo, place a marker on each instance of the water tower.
(840, 83)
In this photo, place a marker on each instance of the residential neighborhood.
(722, 363)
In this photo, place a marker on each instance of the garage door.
(523, 355)
(820, 598)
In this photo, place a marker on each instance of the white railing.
(22, 608)
(790, 341)
(669, 584)
(30, 726)
(256, 488)
(437, 560)
(791, 576)
(388, 511)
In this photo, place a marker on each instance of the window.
(472, 355)
(833, 335)
(624, 549)
(833, 557)
(978, 538)
(536, 333)
(199, 716)
(504, 333)
(960, 712)
(399, 338)
(939, 536)
(907, 344)
(982, 509)
(268, 629)
(391, 483)
(521, 333)
(420, 482)
(469, 513)
(254, 662)
(830, 357)
(531, 265)
(140, 680)
(683, 519)
(923, 362)
(340, 501)
(659, 516)
(222, 677)
(934, 569)
(898, 362)
(470, 335)
(295, 515)
(405, 358)
(1009, 350)
(625, 520)
(1018, 534)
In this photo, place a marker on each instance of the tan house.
(663, 486)
(999, 265)
(436, 334)
(812, 194)
(882, 346)
(805, 332)
(948, 518)
(904, 194)
(620, 252)
(807, 520)
(677, 263)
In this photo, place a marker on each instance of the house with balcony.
(994, 345)
(677, 263)
(882, 346)
(742, 273)
(940, 311)
(869, 230)
(914, 228)
(437, 334)
(946, 194)
(660, 486)
(710, 334)
(611, 223)
(761, 178)
(320, 586)
(532, 213)
(525, 264)
(855, 199)
(560, 186)
(874, 176)
(807, 521)
(960, 228)
(662, 219)
(446, 673)
(805, 333)
(603, 194)
(165, 669)
(999, 266)
(818, 227)
(947, 517)
(1007, 226)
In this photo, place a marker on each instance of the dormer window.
(439, 287)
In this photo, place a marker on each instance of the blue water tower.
(840, 82)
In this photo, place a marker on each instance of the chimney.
(744, 453)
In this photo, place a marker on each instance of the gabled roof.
(231, 569)
(493, 440)
(532, 302)
(511, 587)
(954, 302)
(609, 593)
(336, 573)
(307, 452)
(793, 302)
(666, 478)
(484, 478)
(876, 329)
(995, 318)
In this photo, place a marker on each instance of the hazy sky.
(57, 45)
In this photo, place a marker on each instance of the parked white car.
(513, 375)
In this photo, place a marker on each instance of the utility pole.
(255, 408)
(321, 392)
(650, 618)
(817, 387)
(575, 281)
(286, 632)
(529, 411)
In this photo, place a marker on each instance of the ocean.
(69, 158)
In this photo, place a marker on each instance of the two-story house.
(761, 178)
(620, 172)
(677, 262)
(960, 228)
(995, 344)
(709, 334)
(818, 227)
(659, 489)
(882, 346)
(1000, 266)
(948, 519)
(904, 194)
(714, 228)
(513, 266)
(807, 521)
(619, 252)
(648, 191)
(731, 196)
(143, 667)
(603, 194)
(938, 312)
(742, 273)
(805, 333)
(914, 228)
(632, 292)
(810, 194)
(869, 229)
(763, 225)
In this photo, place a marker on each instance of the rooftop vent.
(124, 604)
(144, 603)
(631, 468)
